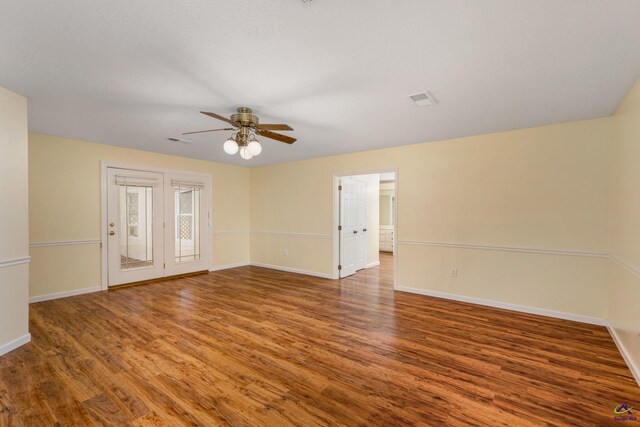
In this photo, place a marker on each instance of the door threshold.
(159, 279)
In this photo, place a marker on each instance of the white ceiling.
(132, 73)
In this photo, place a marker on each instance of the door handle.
(355, 231)
(364, 230)
(111, 233)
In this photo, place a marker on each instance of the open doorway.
(365, 222)
(387, 221)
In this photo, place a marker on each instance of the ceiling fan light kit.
(245, 153)
(247, 126)
(230, 146)
(254, 147)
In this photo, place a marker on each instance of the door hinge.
(339, 267)
(339, 187)
(339, 228)
(164, 265)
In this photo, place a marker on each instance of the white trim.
(513, 307)
(10, 262)
(504, 248)
(12, 345)
(64, 243)
(228, 266)
(230, 233)
(372, 264)
(623, 264)
(104, 252)
(292, 270)
(285, 234)
(64, 294)
(635, 370)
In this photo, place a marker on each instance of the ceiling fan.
(247, 126)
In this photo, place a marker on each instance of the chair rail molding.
(10, 262)
(64, 243)
(568, 252)
(624, 264)
(230, 233)
(287, 234)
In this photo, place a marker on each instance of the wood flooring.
(257, 347)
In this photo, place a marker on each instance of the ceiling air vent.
(181, 141)
(423, 99)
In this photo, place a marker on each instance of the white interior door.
(348, 226)
(188, 221)
(361, 224)
(134, 226)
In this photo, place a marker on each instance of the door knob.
(112, 225)
(111, 233)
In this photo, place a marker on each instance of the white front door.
(134, 226)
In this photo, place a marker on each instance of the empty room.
(320, 213)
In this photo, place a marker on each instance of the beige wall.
(64, 192)
(624, 220)
(14, 231)
(542, 191)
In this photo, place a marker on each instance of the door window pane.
(187, 239)
(136, 226)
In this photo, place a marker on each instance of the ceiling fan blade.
(210, 130)
(273, 127)
(276, 136)
(217, 116)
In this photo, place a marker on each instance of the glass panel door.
(187, 209)
(136, 222)
(134, 215)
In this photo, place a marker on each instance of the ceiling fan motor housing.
(244, 117)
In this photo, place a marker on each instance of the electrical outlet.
(285, 252)
(454, 272)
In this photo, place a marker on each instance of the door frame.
(104, 165)
(335, 259)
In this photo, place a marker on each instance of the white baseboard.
(228, 266)
(506, 306)
(12, 345)
(372, 264)
(64, 294)
(635, 370)
(292, 270)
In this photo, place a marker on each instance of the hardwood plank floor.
(252, 346)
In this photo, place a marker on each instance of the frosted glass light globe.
(245, 153)
(230, 147)
(255, 148)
